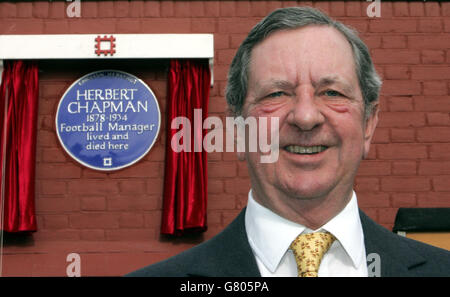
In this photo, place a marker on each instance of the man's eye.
(276, 94)
(332, 93)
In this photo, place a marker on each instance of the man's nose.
(306, 113)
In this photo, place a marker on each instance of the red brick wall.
(112, 219)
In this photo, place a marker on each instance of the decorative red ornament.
(111, 50)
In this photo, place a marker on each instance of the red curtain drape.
(19, 93)
(185, 183)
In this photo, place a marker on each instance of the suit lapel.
(229, 252)
(395, 256)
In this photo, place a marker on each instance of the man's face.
(306, 77)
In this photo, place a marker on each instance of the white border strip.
(82, 46)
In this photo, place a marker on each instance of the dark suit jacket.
(229, 254)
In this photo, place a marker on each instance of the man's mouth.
(305, 150)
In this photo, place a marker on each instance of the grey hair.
(293, 18)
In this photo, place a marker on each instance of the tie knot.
(308, 251)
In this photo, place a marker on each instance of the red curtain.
(19, 94)
(185, 183)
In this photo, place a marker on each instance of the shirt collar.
(270, 235)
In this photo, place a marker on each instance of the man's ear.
(369, 128)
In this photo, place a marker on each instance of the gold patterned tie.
(308, 251)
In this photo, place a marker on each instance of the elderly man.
(302, 219)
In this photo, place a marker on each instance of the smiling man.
(302, 219)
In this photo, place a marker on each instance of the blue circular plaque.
(108, 120)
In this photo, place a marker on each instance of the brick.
(212, 8)
(366, 184)
(57, 205)
(131, 234)
(440, 151)
(441, 184)
(40, 9)
(215, 186)
(401, 151)
(53, 187)
(433, 134)
(374, 168)
(89, 9)
(132, 186)
(166, 25)
(136, 9)
(404, 168)
(353, 8)
(121, 9)
(106, 9)
(141, 169)
(430, 26)
(396, 72)
(381, 136)
(337, 8)
(57, 171)
(94, 203)
(131, 220)
(403, 135)
(387, 217)
(430, 72)
(432, 56)
(405, 184)
(221, 201)
(401, 119)
(53, 155)
(133, 202)
(227, 8)
(368, 199)
(93, 187)
(372, 41)
(92, 235)
(235, 25)
(323, 6)
(431, 103)
(395, 56)
(223, 169)
(401, 87)
(358, 25)
(404, 200)
(395, 41)
(433, 199)
(401, 9)
(435, 88)
(237, 186)
(434, 168)
(204, 25)
(152, 8)
(242, 8)
(21, 26)
(93, 26)
(435, 41)
(154, 186)
(56, 221)
(56, 27)
(400, 103)
(128, 26)
(95, 220)
(57, 10)
(416, 9)
(432, 9)
(392, 26)
(438, 119)
(445, 9)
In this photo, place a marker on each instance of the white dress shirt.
(270, 236)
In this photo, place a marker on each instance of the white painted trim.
(127, 46)
(82, 46)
